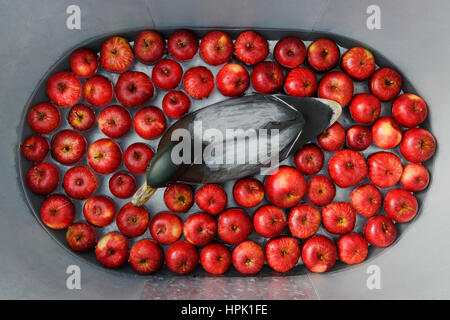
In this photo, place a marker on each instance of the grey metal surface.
(413, 37)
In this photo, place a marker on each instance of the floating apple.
(99, 211)
(149, 46)
(215, 258)
(234, 225)
(146, 256)
(290, 52)
(248, 257)
(43, 118)
(83, 62)
(282, 253)
(166, 227)
(304, 221)
(116, 55)
(112, 250)
(200, 229)
(269, 221)
(57, 212)
(232, 80)
(211, 198)
(182, 45)
(251, 48)
(216, 48)
(166, 74)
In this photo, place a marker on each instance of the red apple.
(80, 182)
(267, 77)
(232, 80)
(215, 258)
(269, 221)
(116, 55)
(179, 197)
(359, 63)
(234, 225)
(248, 192)
(200, 229)
(43, 118)
(300, 82)
(365, 108)
(321, 190)
(359, 137)
(386, 133)
(400, 205)
(166, 227)
(198, 82)
(114, 121)
(409, 110)
(211, 198)
(415, 177)
(104, 156)
(319, 254)
(137, 157)
(112, 250)
(42, 178)
(182, 45)
(35, 148)
(323, 54)
(332, 138)
(347, 168)
(336, 86)
(285, 187)
(352, 248)
(122, 185)
(216, 48)
(132, 221)
(83, 62)
(282, 253)
(385, 169)
(366, 199)
(149, 122)
(386, 84)
(99, 211)
(248, 257)
(166, 74)
(339, 217)
(181, 257)
(146, 256)
(134, 88)
(290, 52)
(304, 221)
(81, 237)
(149, 46)
(81, 117)
(251, 48)
(68, 147)
(176, 104)
(98, 91)
(64, 89)
(418, 145)
(309, 159)
(57, 212)
(380, 231)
